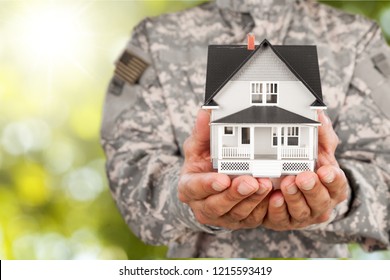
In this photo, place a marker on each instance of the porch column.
(220, 134)
(279, 133)
(311, 142)
(252, 141)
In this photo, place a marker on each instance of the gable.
(225, 63)
(265, 65)
(222, 61)
(304, 60)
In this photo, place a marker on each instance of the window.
(264, 93)
(275, 136)
(257, 98)
(271, 95)
(291, 134)
(228, 130)
(245, 135)
(256, 93)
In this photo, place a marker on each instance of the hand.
(310, 197)
(215, 198)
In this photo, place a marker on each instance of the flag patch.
(130, 67)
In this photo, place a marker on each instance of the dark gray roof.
(212, 103)
(226, 60)
(265, 115)
(317, 104)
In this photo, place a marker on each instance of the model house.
(264, 102)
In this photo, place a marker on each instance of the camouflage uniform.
(146, 123)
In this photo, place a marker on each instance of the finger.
(277, 216)
(195, 186)
(243, 209)
(295, 200)
(201, 130)
(327, 141)
(326, 135)
(333, 178)
(218, 205)
(316, 194)
(199, 142)
(256, 217)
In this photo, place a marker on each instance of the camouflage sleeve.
(363, 127)
(143, 159)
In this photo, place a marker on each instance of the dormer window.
(264, 93)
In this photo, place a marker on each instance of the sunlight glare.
(50, 43)
(53, 32)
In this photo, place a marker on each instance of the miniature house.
(264, 102)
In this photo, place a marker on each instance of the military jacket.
(146, 120)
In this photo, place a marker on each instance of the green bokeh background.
(54, 198)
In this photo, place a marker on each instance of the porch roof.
(265, 115)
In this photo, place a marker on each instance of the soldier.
(158, 165)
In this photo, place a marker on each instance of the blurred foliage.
(376, 10)
(54, 198)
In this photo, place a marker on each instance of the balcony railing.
(293, 152)
(235, 152)
(285, 152)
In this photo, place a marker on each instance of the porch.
(272, 142)
(283, 153)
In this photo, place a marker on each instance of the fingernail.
(292, 189)
(329, 178)
(309, 184)
(217, 187)
(325, 118)
(245, 189)
(262, 189)
(278, 202)
(208, 111)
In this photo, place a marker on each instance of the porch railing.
(293, 152)
(236, 152)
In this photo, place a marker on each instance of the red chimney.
(251, 41)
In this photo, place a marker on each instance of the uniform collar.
(271, 18)
(245, 6)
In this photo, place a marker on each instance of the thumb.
(201, 131)
(199, 142)
(326, 135)
(327, 138)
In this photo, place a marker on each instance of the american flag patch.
(130, 67)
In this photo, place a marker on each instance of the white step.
(265, 168)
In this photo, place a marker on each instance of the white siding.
(234, 97)
(264, 65)
(214, 141)
(296, 98)
(263, 144)
(304, 137)
(230, 140)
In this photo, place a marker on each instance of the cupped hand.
(215, 198)
(310, 197)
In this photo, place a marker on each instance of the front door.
(245, 136)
